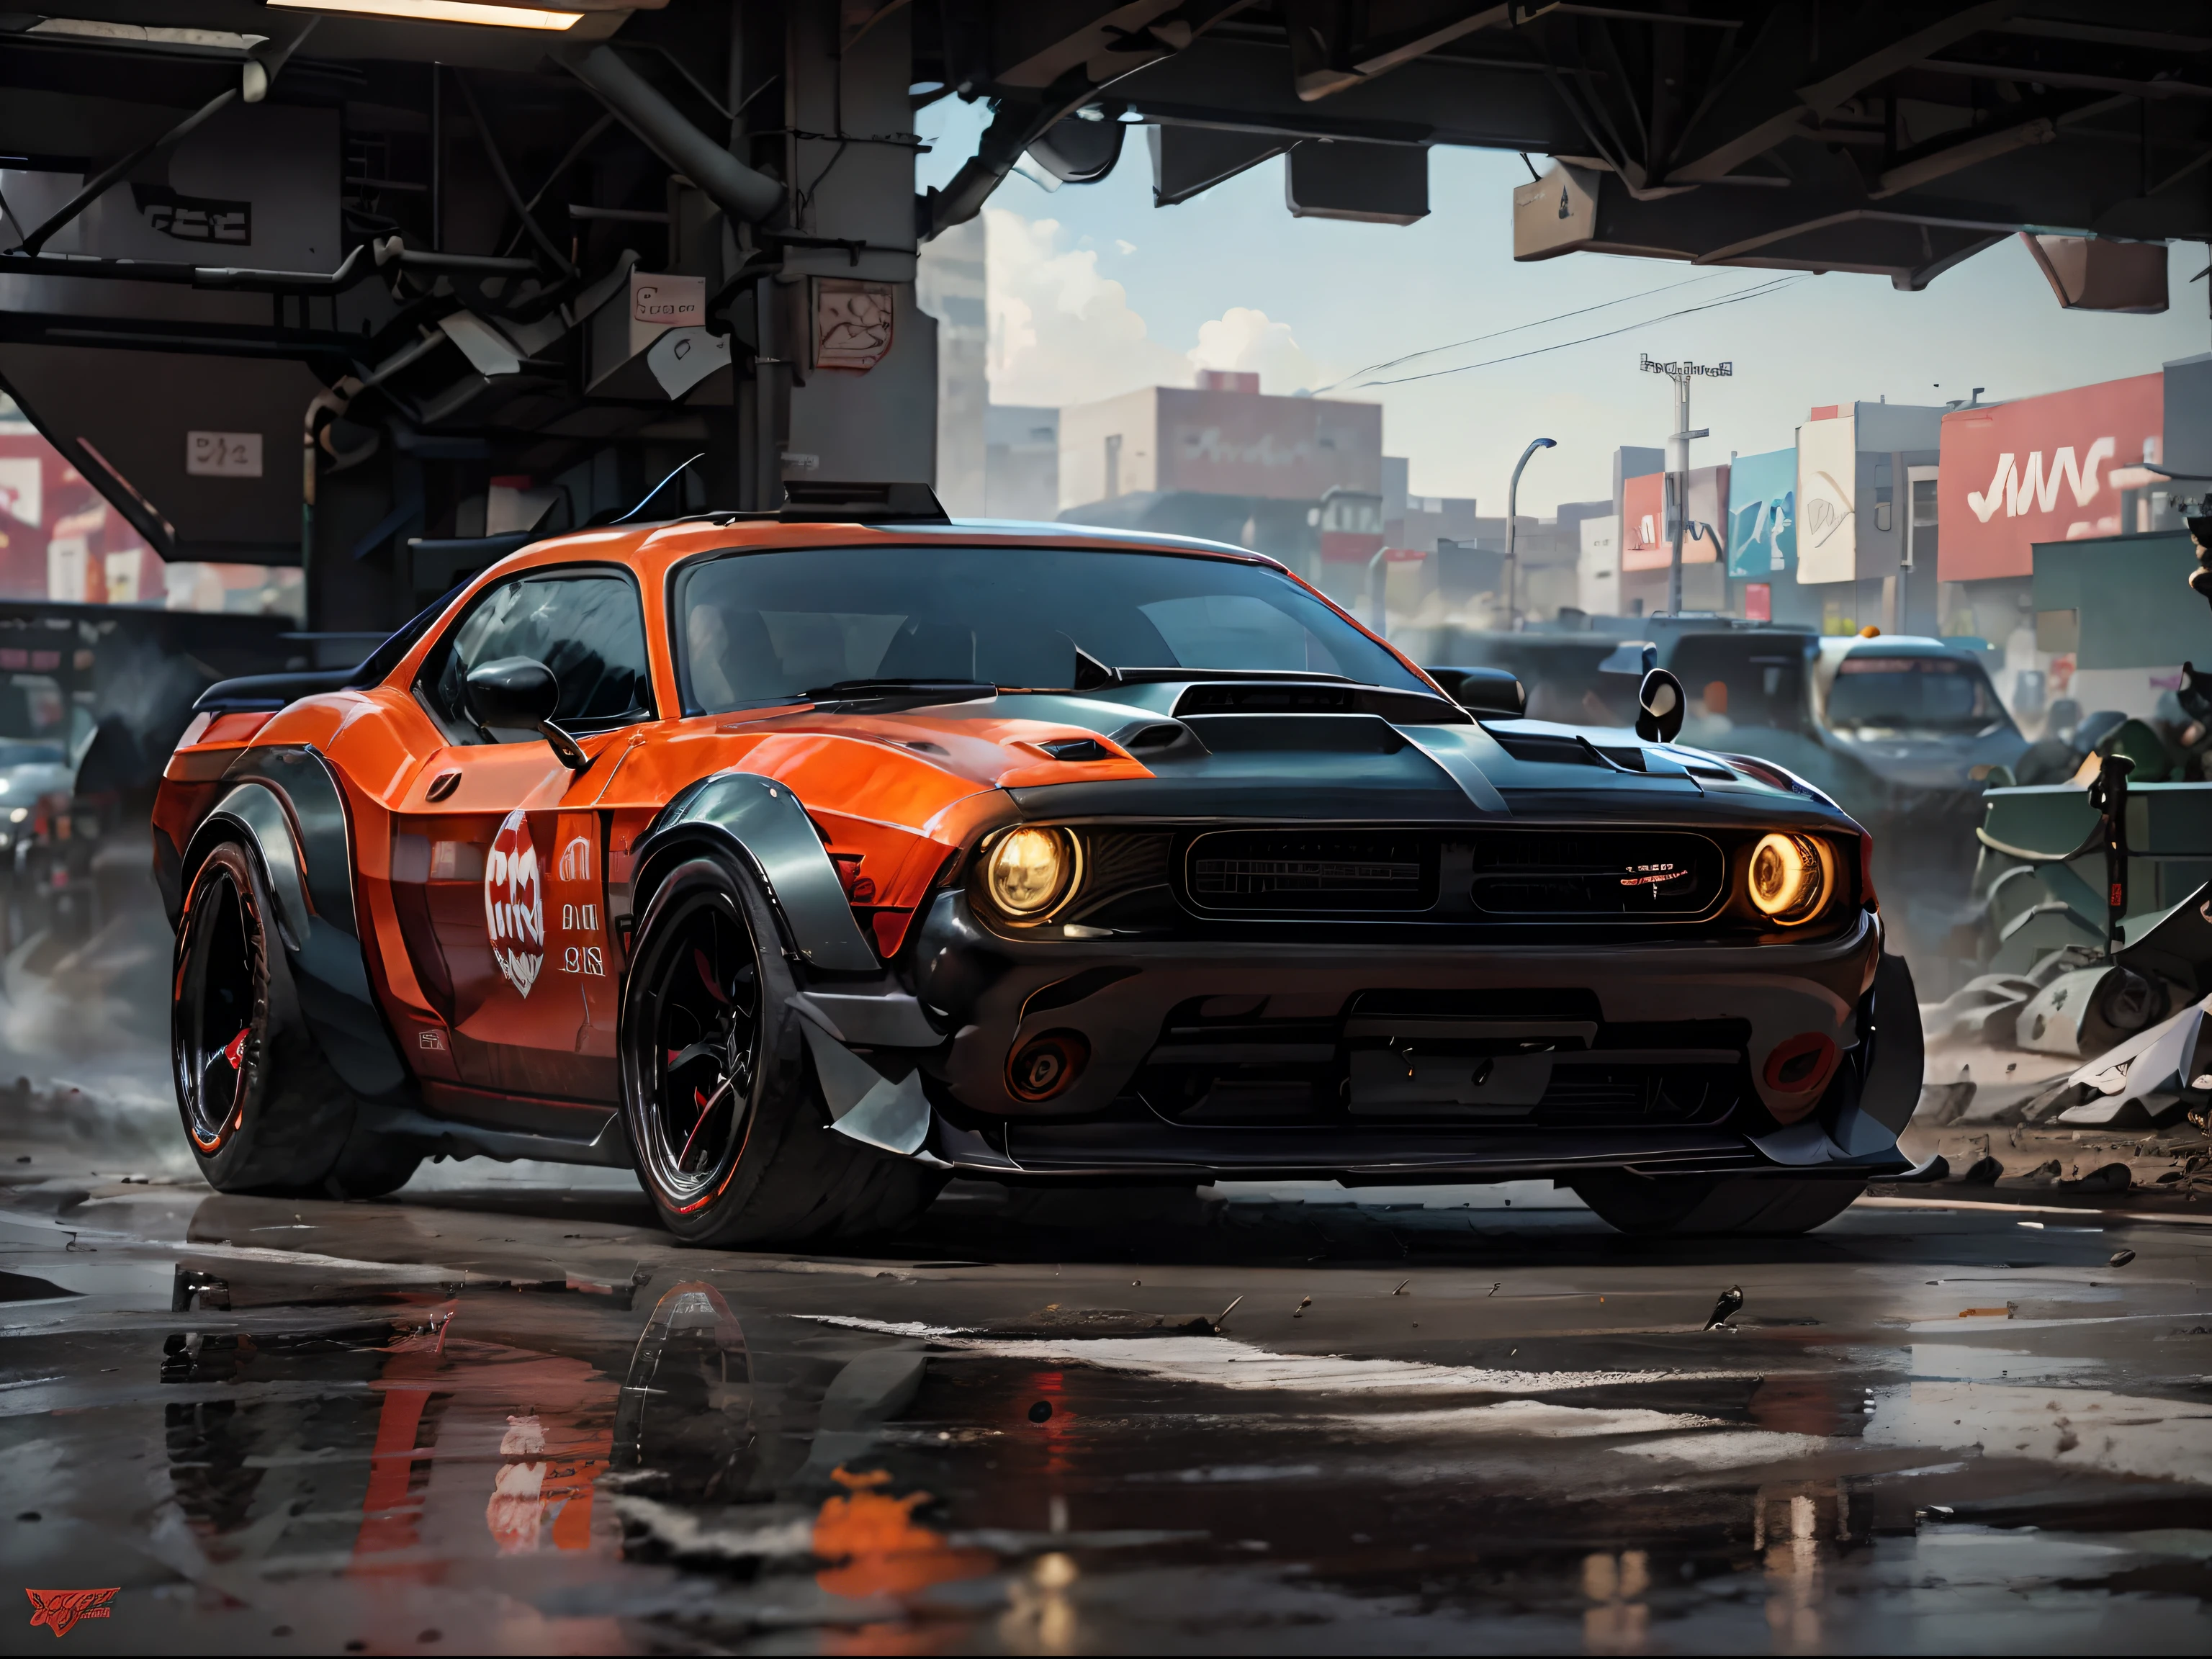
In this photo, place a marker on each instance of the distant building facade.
(951, 285)
(1021, 462)
(1298, 478)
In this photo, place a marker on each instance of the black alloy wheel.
(262, 1108)
(700, 1005)
(221, 1014)
(726, 1122)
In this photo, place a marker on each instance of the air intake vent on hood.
(1266, 699)
(1315, 698)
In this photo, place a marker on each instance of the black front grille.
(1268, 871)
(1542, 1059)
(1596, 874)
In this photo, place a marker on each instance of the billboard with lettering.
(2039, 470)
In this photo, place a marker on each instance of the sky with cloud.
(1094, 291)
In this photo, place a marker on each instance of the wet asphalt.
(504, 1411)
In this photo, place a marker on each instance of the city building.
(951, 285)
(1021, 462)
(1298, 478)
(1866, 519)
(1597, 566)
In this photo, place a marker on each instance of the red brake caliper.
(235, 1050)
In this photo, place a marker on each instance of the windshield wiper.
(936, 690)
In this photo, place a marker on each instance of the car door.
(499, 853)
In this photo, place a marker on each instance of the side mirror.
(1660, 708)
(520, 694)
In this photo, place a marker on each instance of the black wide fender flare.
(864, 1037)
(760, 821)
(284, 806)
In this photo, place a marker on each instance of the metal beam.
(1245, 84)
(1787, 70)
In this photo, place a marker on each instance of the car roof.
(1898, 645)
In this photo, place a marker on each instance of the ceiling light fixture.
(445, 11)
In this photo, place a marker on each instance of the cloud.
(1060, 332)
(1247, 339)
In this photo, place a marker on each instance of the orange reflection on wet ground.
(879, 1547)
(543, 1422)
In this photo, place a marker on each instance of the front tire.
(1736, 1206)
(262, 1109)
(725, 1121)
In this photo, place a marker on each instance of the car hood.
(1346, 764)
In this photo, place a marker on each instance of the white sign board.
(667, 301)
(1827, 525)
(222, 454)
(21, 494)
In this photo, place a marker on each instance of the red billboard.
(59, 539)
(2038, 470)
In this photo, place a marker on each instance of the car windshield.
(763, 627)
(31, 754)
(1913, 697)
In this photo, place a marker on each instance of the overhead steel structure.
(384, 285)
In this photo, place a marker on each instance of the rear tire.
(725, 1121)
(1737, 1206)
(262, 1109)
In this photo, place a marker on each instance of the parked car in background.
(1920, 713)
(92, 700)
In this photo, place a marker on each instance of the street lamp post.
(1513, 524)
(1678, 461)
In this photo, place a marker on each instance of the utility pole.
(1678, 460)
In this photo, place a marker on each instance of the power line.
(1430, 351)
(1628, 328)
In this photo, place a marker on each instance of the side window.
(588, 629)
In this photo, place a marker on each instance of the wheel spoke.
(704, 1049)
(707, 1006)
(705, 1106)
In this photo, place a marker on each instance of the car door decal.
(514, 904)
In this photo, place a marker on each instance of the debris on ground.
(2107, 1178)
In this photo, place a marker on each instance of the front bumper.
(1278, 1058)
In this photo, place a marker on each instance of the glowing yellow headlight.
(1790, 876)
(1028, 871)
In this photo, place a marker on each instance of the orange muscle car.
(800, 861)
